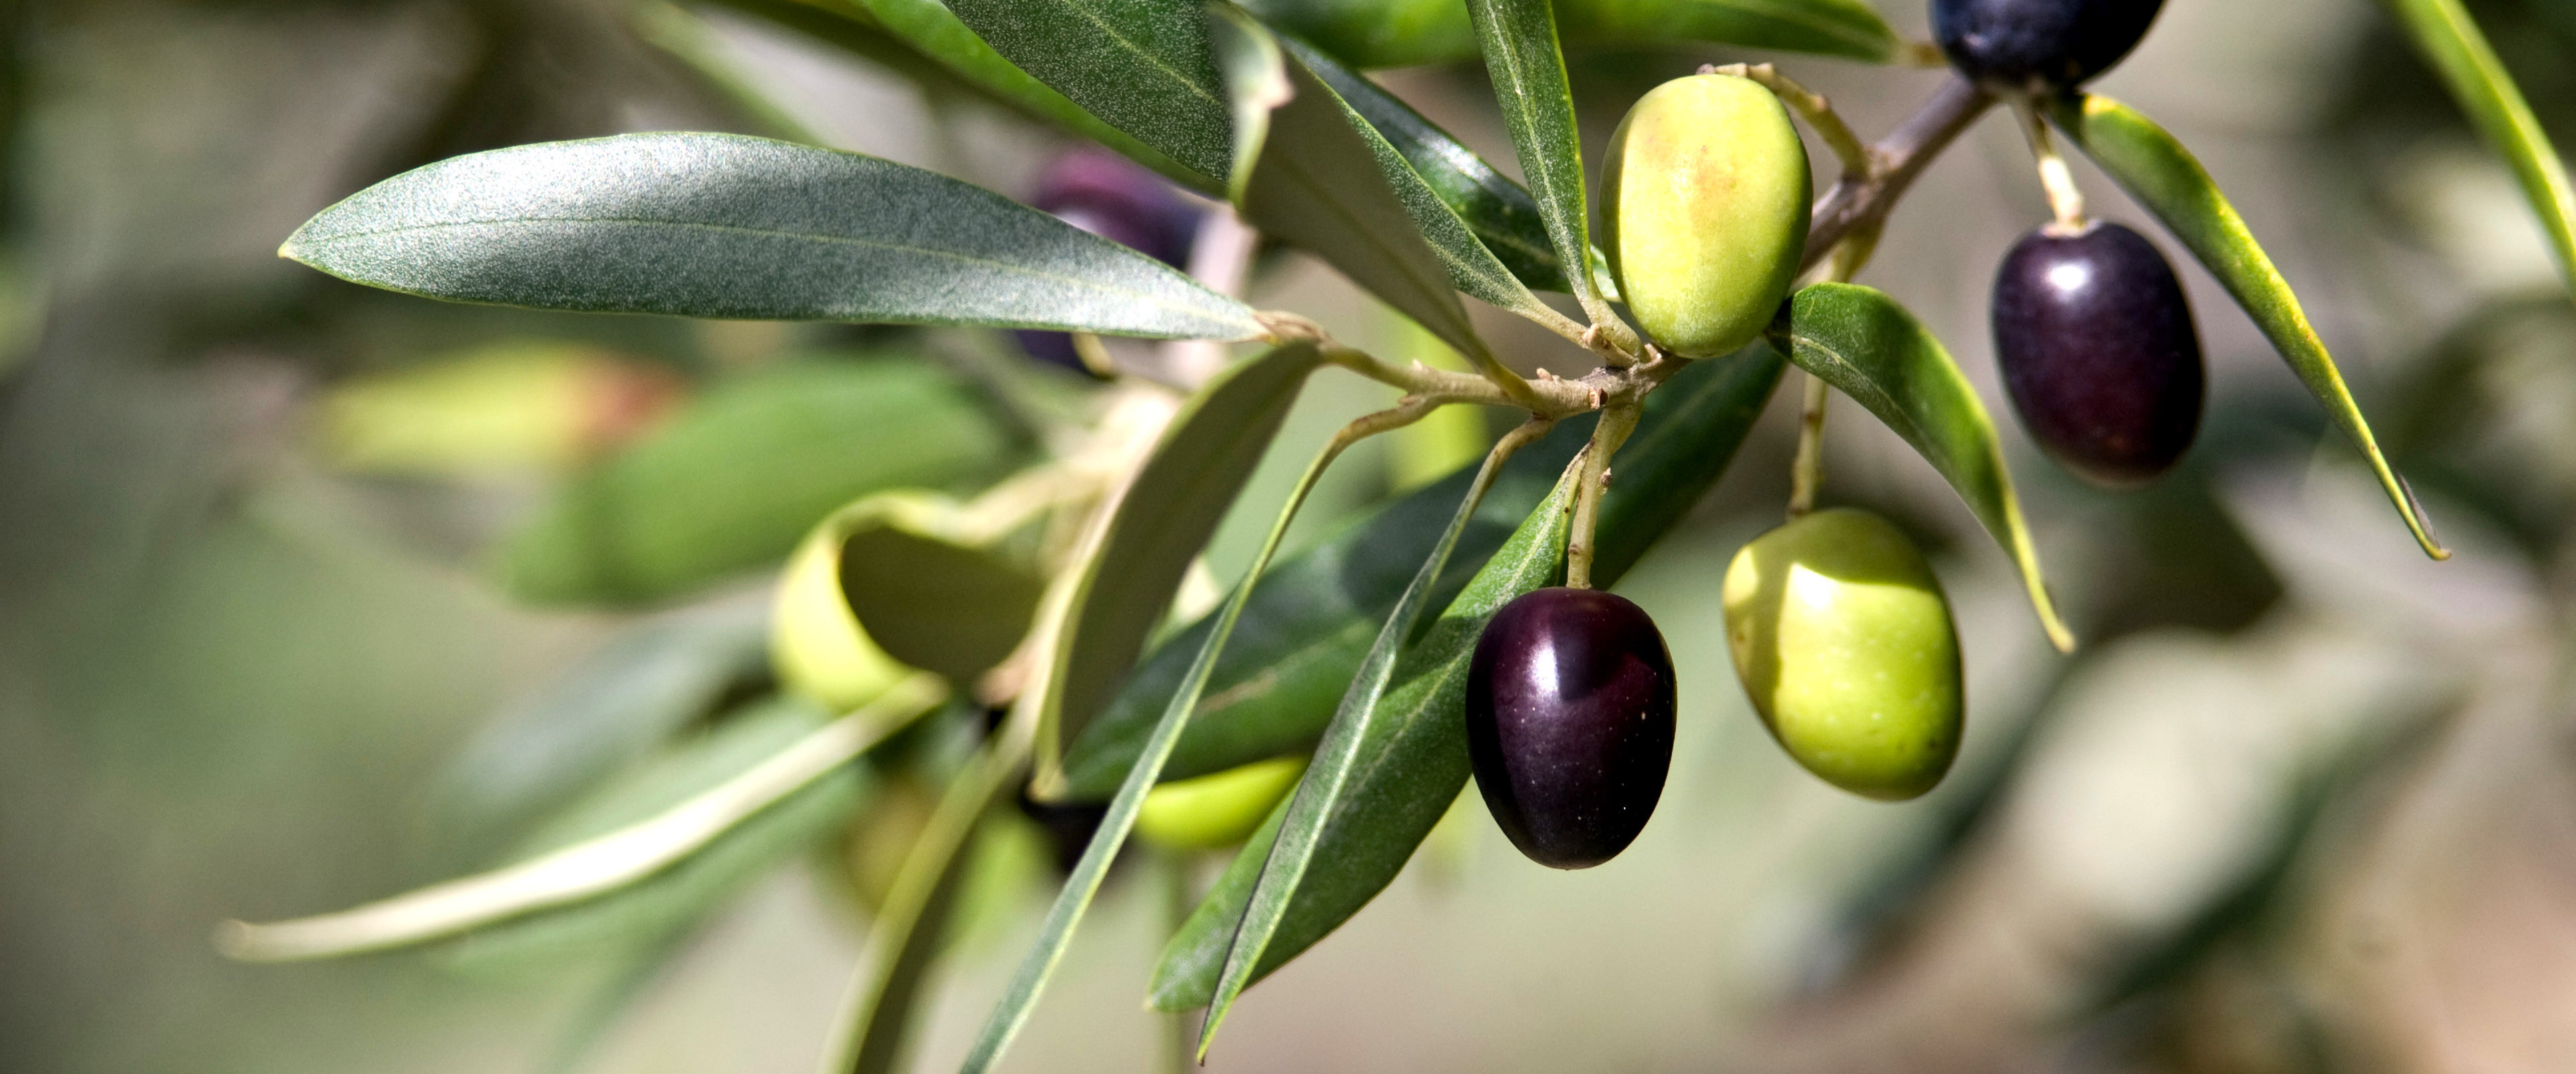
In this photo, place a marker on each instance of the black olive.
(1570, 723)
(2098, 353)
(2039, 45)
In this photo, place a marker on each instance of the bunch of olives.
(1839, 631)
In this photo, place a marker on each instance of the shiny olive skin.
(2038, 45)
(1220, 809)
(1704, 198)
(1570, 723)
(2097, 349)
(1844, 643)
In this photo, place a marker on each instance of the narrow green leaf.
(1418, 756)
(1497, 211)
(1317, 184)
(1863, 343)
(1406, 33)
(1161, 521)
(592, 867)
(1320, 792)
(614, 707)
(2155, 169)
(641, 916)
(721, 225)
(930, 30)
(732, 482)
(1519, 41)
(914, 919)
(2486, 91)
(926, 592)
(1306, 629)
(1143, 66)
(1056, 933)
(1471, 266)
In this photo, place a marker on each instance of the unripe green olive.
(1218, 810)
(1704, 205)
(1844, 643)
(815, 642)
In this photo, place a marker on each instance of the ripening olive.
(1216, 810)
(815, 641)
(1704, 206)
(1570, 723)
(2098, 352)
(2038, 45)
(1843, 642)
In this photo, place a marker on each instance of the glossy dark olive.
(1119, 200)
(2098, 353)
(1570, 723)
(2038, 45)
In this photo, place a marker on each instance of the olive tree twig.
(1857, 204)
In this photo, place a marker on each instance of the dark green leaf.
(1160, 524)
(1142, 66)
(720, 225)
(1521, 55)
(650, 912)
(2485, 90)
(1405, 33)
(733, 482)
(639, 688)
(1340, 757)
(1418, 751)
(927, 595)
(2156, 169)
(1317, 184)
(1495, 209)
(1056, 933)
(1864, 344)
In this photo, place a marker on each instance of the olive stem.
(2065, 199)
(1810, 106)
(1177, 901)
(1095, 355)
(1617, 421)
(1895, 161)
(1808, 469)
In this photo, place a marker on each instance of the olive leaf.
(657, 909)
(929, 594)
(1412, 32)
(733, 482)
(1145, 67)
(1338, 758)
(1074, 899)
(910, 925)
(1159, 523)
(593, 867)
(2163, 176)
(1306, 628)
(1864, 344)
(1519, 41)
(720, 225)
(2486, 91)
(1316, 183)
(617, 704)
(1416, 754)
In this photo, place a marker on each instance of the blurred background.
(281, 557)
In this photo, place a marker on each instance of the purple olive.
(1119, 200)
(1570, 723)
(2098, 353)
(2038, 45)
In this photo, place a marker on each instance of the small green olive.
(1844, 644)
(1704, 205)
(815, 641)
(1217, 810)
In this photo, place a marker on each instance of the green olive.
(1704, 204)
(1844, 644)
(815, 641)
(1218, 810)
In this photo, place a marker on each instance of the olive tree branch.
(1857, 204)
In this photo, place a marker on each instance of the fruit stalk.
(1617, 421)
(2065, 199)
(1807, 470)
